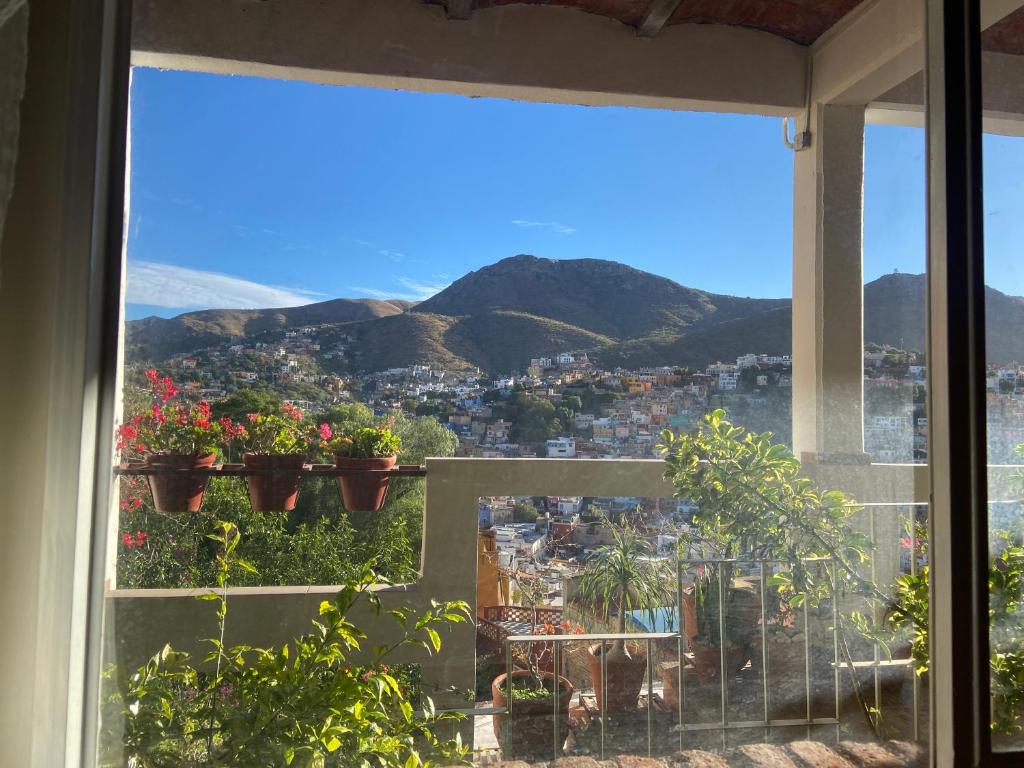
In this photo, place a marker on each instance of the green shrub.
(305, 703)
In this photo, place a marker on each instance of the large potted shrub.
(277, 445)
(753, 505)
(173, 438)
(308, 702)
(621, 578)
(364, 453)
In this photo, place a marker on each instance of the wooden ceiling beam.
(657, 15)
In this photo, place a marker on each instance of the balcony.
(810, 697)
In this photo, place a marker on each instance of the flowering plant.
(567, 627)
(287, 432)
(367, 443)
(164, 424)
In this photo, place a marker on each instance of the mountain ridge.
(499, 316)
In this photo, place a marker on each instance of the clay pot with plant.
(276, 447)
(718, 603)
(621, 578)
(365, 453)
(527, 728)
(175, 439)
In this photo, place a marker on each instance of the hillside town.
(568, 405)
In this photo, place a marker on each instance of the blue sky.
(252, 192)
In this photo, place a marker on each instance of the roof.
(800, 21)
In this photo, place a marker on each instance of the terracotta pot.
(708, 661)
(743, 610)
(275, 492)
(625, 677)
(364, 492)
(668, 672)
(174, 489)
(530, 727)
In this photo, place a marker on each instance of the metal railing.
(754, 570)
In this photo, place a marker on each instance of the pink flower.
(325, 431)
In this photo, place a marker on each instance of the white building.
(561, 448)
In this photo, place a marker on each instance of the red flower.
(252, 417)
(136, 502)
(152, 375)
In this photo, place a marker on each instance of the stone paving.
(797, 754)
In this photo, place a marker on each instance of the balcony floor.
(797, 754)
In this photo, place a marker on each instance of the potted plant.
(754, 506)
(716, 602)
(277, 445)
(527, 729)
(171, 437)
(368, 448)
(622, 577)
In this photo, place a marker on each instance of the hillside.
(894, 314)
(155, 338)
(500, 316)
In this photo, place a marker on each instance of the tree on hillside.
(536, 419)
(245, 401)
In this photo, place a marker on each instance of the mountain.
(500, 316)
(894, 314)
(603, 297)
(155, 338)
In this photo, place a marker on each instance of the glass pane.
(1003, 148)
(648, 359)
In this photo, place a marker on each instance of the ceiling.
(801, 21)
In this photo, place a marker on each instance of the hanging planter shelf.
(240, 470)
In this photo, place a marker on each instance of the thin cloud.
(376, 293)
(554, 226)
(164, 285)
(393, 255)
(412, 289)
(421, 289)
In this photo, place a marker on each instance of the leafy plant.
(1006, 637)
(158, 422)
(367, 443)
(301, 704)
(287, 432)
(754, 504)
(623, 577)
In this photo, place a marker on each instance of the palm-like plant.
(623, 577)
